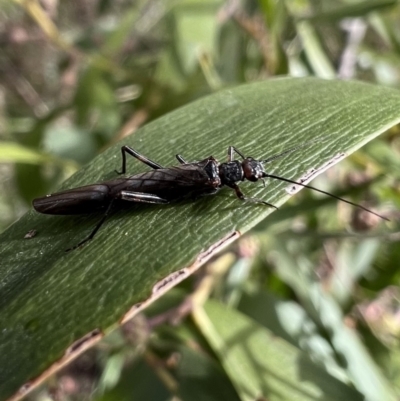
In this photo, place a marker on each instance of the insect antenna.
(291, 150)
(325, 193)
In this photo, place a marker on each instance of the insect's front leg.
(231, 151)
(141, 197)
(132, 152)
(241, 196)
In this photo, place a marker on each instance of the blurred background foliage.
(79, 75)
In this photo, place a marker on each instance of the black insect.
(164, 185)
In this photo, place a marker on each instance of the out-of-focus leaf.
(354, 9)
(29, 162)
(119, 36)
(298, 273)
(262, 366)
(196, 29)
(94, 95)
(290, 321)
(231, 53)
(316, 55)
(11, 152)
(70, 142)
(201, 379)
(275, 17)
(138, 382)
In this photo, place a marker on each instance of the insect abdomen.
(81, 200)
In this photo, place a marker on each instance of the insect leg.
(94, 231)
(127, 149)
(141, 197)
(181, 159)
(231, 151)
(241, 196)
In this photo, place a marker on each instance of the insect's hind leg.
(181, 159)
(132, 152)
(124, 195)
(94, 231)
(142, 197)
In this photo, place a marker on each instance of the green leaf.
(291, 322)
(355, 9)
(299, 273)
(262, 366)
(196, 31)
(11, 152)
(51, 299)
(146, 385)
(316, 55)
(202, 379)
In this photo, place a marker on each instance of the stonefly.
(164, 185)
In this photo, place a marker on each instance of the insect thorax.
(231, 172)
(211, 169)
